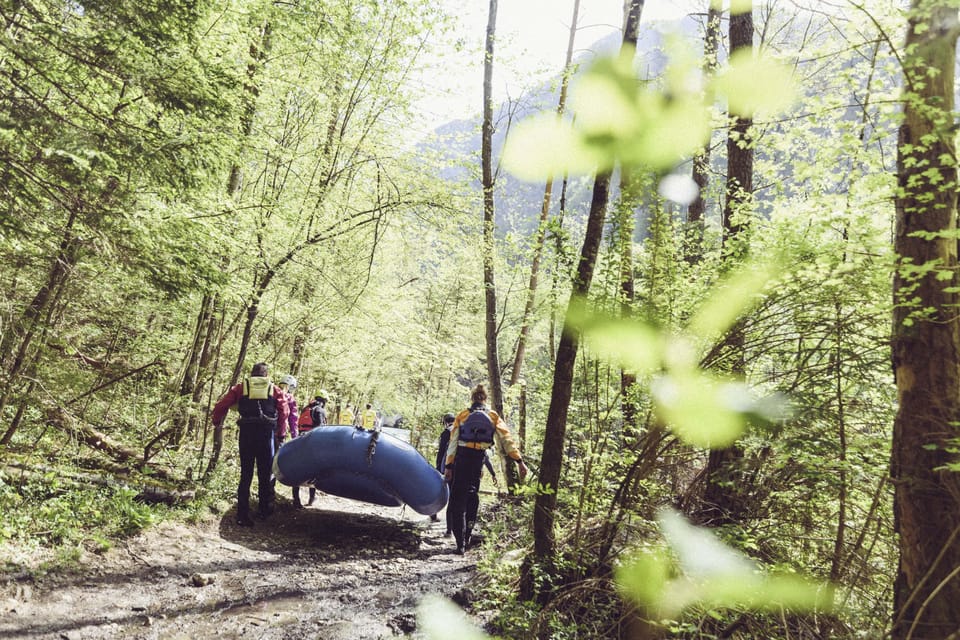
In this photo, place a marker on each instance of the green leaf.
(439, 619)
(703, 410)
(674, 130)
(731, 298)
(713, 575)
(637, 346)
(755, 84)
(544, 146)
(602, 107)
(700, 553)
(644, 577)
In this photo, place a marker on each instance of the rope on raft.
(372, 447)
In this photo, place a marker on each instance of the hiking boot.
(474, 540)
(244, 520)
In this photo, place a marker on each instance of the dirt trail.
(340, 569)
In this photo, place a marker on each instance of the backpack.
(313, 415)
(478, 427)
(305, 419)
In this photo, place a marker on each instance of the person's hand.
(522, 468)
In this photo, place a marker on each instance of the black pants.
(465, 493)
(296, 496)
(256, 449)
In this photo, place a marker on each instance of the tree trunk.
(489, 225)
(693, 242)
(486, 159)
(200, 353)
(32, 322)
(723, 494)
(926, 335)
(544, 215)
(551, 465)
(629, 194)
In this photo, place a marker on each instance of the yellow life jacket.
(257, 388)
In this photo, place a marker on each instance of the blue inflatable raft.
(362, 465)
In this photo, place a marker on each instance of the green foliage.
(47, 513)
(621, 121)
(439, 618)
(703, 408)
(712, 574)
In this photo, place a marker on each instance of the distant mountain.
(518, 204)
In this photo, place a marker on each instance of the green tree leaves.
(698, 569)
(620, 119)
(703, 408)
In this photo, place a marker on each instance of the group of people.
(269, 414)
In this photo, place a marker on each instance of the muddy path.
(339, 569)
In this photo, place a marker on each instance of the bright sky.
(531, 44)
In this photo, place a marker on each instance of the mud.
(339, 569)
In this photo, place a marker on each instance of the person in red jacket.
(263, 412)
(289, 385)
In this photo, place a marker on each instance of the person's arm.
(452, 447)
(489, 465)
(506, 444)
(283, 411)
(442, 446)
(227, 400)
(293, 417)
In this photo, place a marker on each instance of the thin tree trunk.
(723, 494)
(624, 227)
(926, 334)
(544, 214)
(693, 245)
(32, 322)
(259, 49)
(486, 159)
(557, 263)
(545, 507)
(629, 194)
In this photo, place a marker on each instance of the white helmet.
(290, 381)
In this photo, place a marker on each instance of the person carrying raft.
(474, 430)
(263, 409)
(313, 415)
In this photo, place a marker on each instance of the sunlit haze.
(531, 45)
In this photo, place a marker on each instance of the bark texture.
(926, 336)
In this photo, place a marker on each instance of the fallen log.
(59, 418)
(150, 493)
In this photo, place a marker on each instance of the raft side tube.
(334, 459)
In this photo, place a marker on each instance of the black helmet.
(448, 418)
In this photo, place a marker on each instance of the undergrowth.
(49, 522)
